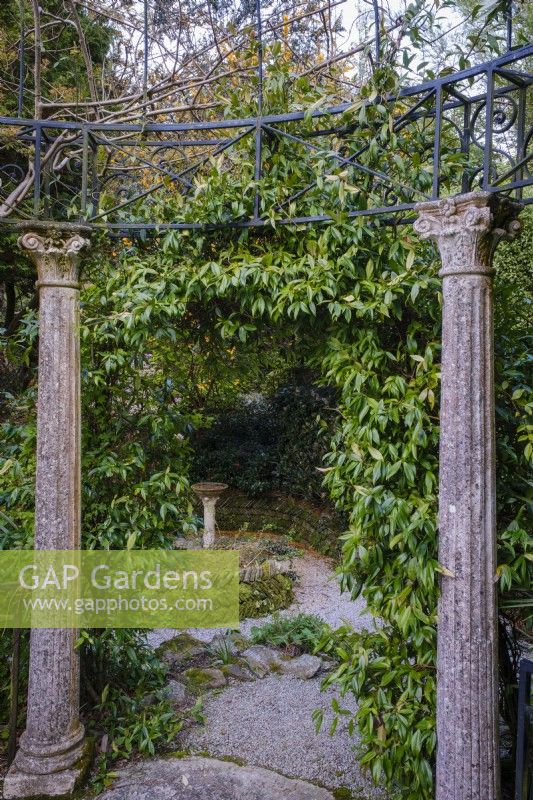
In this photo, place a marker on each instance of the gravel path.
(317, 592)
(268, 723)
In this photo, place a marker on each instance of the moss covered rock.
(180, 649)
(200, 680)
(261, 597)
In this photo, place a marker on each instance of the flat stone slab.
(263, 660)
(196, 778)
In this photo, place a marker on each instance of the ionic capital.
(55, 250)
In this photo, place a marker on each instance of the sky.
(355, 32)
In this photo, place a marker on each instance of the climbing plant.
(370, 296)
(362, 301)
(373, 307)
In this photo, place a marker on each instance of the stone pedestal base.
(20, 784)
(209, 493)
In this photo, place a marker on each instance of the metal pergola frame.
(489, 124)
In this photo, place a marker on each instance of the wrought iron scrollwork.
(65, 166)
(10, 173)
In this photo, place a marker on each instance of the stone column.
(51, 757)
(209, 494)
(209, 521)
(467, 230)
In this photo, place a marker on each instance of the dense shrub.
(270, 442)
(123, 689)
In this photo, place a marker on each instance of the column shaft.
(47, 762)
(467, 710)
(209, 521)
(467, 230)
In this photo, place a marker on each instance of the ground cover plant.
(299, 634)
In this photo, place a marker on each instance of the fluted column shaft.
(466, 230)
(52, 744)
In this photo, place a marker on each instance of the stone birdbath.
(209, 494)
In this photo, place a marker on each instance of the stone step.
(198, 778)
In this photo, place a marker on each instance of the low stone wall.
(267, 569)
(267, 587)
(255, 572)
(262, 596)
(263, 588)
(282, 514)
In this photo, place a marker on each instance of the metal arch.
(64, 155)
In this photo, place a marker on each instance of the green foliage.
(363, 305)
(514, 279)
(302, 632)
(390, 552)
(135, 427)
(134, 727)
(485, 30)
(393, 676)
(270, 441)
(374, 311)
(373, 307)
(223, 650)
(124, 681)
(135, 421)
(17, 471)
(6, 654)
(374, 317)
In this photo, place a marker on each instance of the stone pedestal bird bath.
(209, 494)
